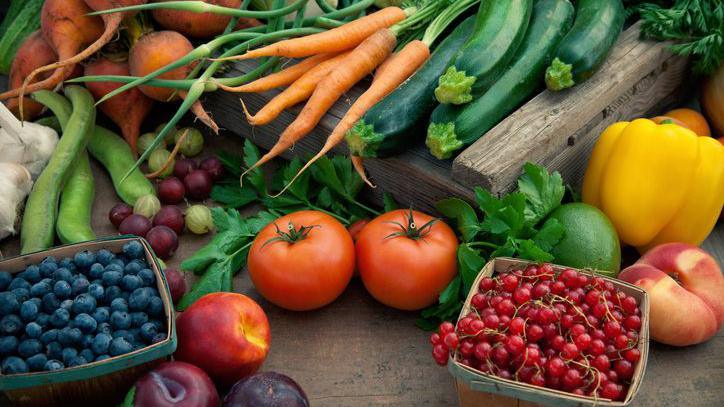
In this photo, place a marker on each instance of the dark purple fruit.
(183, 167)
(213, 166)
(171, 191)
(176, 284)
(198, 184)
(163, 241)
(176, 384)
(118, 213)
(135, 224)
(266, 389)
(170, 216)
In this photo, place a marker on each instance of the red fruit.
(540, 290)
(506, 307)
(510, 283)
(558, 342)
(612, 376)
(578, 329)
(546, 316)
(476, 327)
(597, 347)
(624, 369)
(170, 216)
(479, 301)
(176, 384)
(198, 184)
(567, 321)
(515, 345)
(598, 334)
(446, 327)
(534, 333)
(569, 351)
(550, 331)
(556, 367)
(521, 295)
(435, 339)
(500, 356)
(629, 305)
(621, 342)
(610, 391)
(135, 224)
(517, 326)
(491, 321)
(602, 363)
(532, 356)
(451, 341)
(582, 341)
(463, 324)
(176, 284)
(440, 354)
(571, 379)
(531, 271)
(487, 284)
(592, 297)
(163, 240)
(466, 348)
(213, 166)
(538, 380)
(558, 287)
(632, 355)
(171, 191)
(505, 374)
(183, 167)
(482, 351)
(632, 323)
(504, 321)
(611, 329)
(118, 213)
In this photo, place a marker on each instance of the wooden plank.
(558, 129)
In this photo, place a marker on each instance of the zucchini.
(498, 32)
(453, 127)
(583, 50)
(388, 127)
(22, 19)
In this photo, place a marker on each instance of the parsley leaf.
(543, 192)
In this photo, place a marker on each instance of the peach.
(225, 334)
(686, 292)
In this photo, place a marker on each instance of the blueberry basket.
(99, 383)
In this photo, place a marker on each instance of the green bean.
(201, 7)
(76, 203)
(324, 6)
(41, 210)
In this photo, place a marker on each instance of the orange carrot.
(360, 168)
(403, 65)
(355, 66)
(299, 91)
(278, 79)
(337, 39)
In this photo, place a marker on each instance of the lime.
(590, 241)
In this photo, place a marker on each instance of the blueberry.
(96, 291)
(28, 311)
(112, 277)
(119, 261)
(102, 357)
(120, 320)
(155, 307)
(13, 364)
(41, 288)
(133, 250)
(47, 268)
(131, 282)
(86, 340)
(119, 346)
(148, 331)
(22, 294)
(5, 279)
(85, 323)
(101, 314)
(96, 271)
(147, 276)
(139, 299)
(38, 302)
(50, 303)
(54, 350)
(77, 361)
(48, 336)
(159, 337)
(42, 319)
(29, 347)
(104, 327)
(60, 318)
(84, 259)
(66, 262)
(11, 325)
(104, 257)
(67, 305)
(31, 274)
(69, 336)
(100, 343)
(124, 295)
(8, 345)
(36, 362)
(133, 267)
(63, 274)
(53, 364)
(112, 293)
(80, 285)
(84, 303)
(68, 354)
(127, 335)
(33, 330)
(62, 289)
(87, 354)
(8, 303)
(19, 282)
(119, 304)
(138, 319)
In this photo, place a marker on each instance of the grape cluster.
(567, 331)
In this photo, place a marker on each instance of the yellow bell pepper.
(656, 182)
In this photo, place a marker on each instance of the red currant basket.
(481, 389)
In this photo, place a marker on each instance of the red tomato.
(302, 261)
(404, 261)
(357, 227)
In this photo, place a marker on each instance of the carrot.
(360, 168)
(355, 66)
(402, 66)
(281, 78)
(299, 91)
(337, 39)
(34, 52)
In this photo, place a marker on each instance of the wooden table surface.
(356, 352)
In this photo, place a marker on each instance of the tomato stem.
(293, 234)
(411, 230)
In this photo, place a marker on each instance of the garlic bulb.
(25, 143)
(15, 185)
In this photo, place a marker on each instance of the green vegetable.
(499, 31)
(22, 19)
(389, 126)
(512, 226)
(41, 209)
(584, 49)
(76, 202)
(193, 143)
(453, 127)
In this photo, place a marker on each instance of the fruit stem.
(411, 230)
(293, 234)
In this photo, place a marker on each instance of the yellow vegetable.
(656, 182)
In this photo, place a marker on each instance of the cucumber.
(583, 50)
(388, 127)
(22, 19)
(453, 127)
(498, 32)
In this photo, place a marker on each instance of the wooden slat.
(559, 129)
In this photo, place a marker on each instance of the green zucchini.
(453, 127)
(22, 19)
(498, 32)
(584, 49)
(388, 127)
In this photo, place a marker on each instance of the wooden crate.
(558, 130)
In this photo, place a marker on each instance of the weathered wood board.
(555, 129)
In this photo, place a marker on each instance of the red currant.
(510, 283)
(517, 326)
(479, 301)
(629, 305)
(538, 380)
(440, 354)
(506, 307)
(609, 391)
(621, 342)
(569, 351)
(632, 355)
(632, 323)
(571, 379)
(624, 369)
(534, 333)
(521, 295)
(434, 339)
(451, 341)
(597, 347)
(611, 329)
(515, 345)
(558, 342)
(500, 356)
(466, 348)
(540, 290)
(482, 351)
(582, 341)
(558, 287)
(532, 356)
(556, 367)
(446, 327)
(491, 321)
(487, 284)
(578, 329)
(601, 363)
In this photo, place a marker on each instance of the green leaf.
(216, 279)
(470, 263)
(527, 249)
(389, 202)
(233, 195)
(217, 250)
(504, 217)
(324, 198)
(129, 400)
(451, 292)
(543, 191)
(549, 234)
(347, 174)
(464, 215)
(231, 162)
(300, 187)
(255, 177)
(227, 219)
(325, 173)
(506, 250)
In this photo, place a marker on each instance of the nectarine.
(686, 291)
(225, 334)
